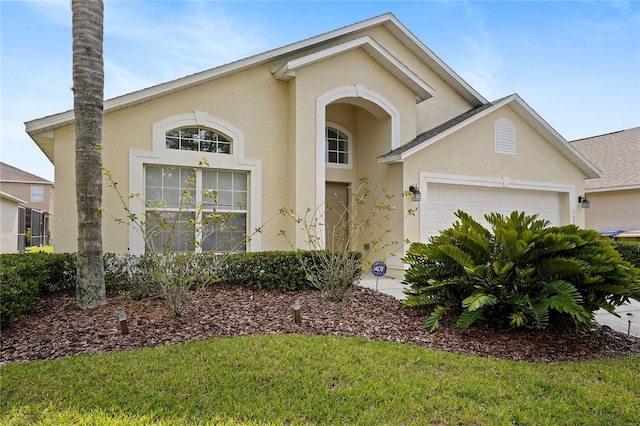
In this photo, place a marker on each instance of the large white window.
(191, 198)
(210, 151)
(338, 146)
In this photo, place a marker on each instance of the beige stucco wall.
(614, 210)
(471, 152)
(8, 225)
(279, 123)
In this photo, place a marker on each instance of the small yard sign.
(378, 268)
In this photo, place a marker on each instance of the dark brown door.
(336, 214)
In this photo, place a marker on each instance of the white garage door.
(441, 201)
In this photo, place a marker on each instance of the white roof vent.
(505, 136)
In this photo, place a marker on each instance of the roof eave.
(388, 20)
(613, 188)
(551, 135)
(530, 116)
(422, 90)
(12, 198)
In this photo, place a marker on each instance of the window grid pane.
(198, 139)
(337, 146)
(223, 192)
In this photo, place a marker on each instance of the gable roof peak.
(388, 20)
(520, 107)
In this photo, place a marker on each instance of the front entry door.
(336, 214)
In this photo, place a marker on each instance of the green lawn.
(296, 380)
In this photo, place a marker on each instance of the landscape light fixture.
(584, 201)
(124, 327)
(415, 194)
(297, 312)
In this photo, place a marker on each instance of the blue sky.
(577, 63)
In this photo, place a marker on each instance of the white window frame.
(350, 145)
(161, 155)
(197, 189)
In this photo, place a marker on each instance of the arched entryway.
(354, 125)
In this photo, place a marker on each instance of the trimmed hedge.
(272, 269)
(25, 276)
(630, 251)
(267, 269)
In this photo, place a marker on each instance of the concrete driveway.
(630, 312)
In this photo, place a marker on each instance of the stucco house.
(295, 125)
(614, 197)
(35, 209)
(9, 213)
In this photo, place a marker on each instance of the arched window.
(198, 178)
(338, 146)
(505, 136)
(198, 139)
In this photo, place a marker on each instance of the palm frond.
(467, 318)
(479, 299)
(433, 321)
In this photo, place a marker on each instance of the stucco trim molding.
(389, 62)
(354, 91)
(160, 155)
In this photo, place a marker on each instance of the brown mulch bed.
(58, 330)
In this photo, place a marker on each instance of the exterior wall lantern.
(414, 193)
(584, 201)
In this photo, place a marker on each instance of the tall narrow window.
(338, 146)
(505, 136)
(201, 209)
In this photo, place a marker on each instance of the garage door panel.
(443, 200)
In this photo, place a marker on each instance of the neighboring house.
(35, 213)
(9, 208)
(614, 197)
(291, 126)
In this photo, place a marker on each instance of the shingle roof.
(617, 155)
(13, 174)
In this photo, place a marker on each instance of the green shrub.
(630, 251)
(25, 276)
(274, 269)
(267, 269)
(522, 273)
(17, 295)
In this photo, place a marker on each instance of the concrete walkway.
(394, 287)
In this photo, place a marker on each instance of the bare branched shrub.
(365, 221)
(174, 240)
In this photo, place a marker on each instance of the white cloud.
(56, 11)
(191, 38)
(119, 80)
(482, 62)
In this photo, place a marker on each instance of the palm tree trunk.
(88, 89)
